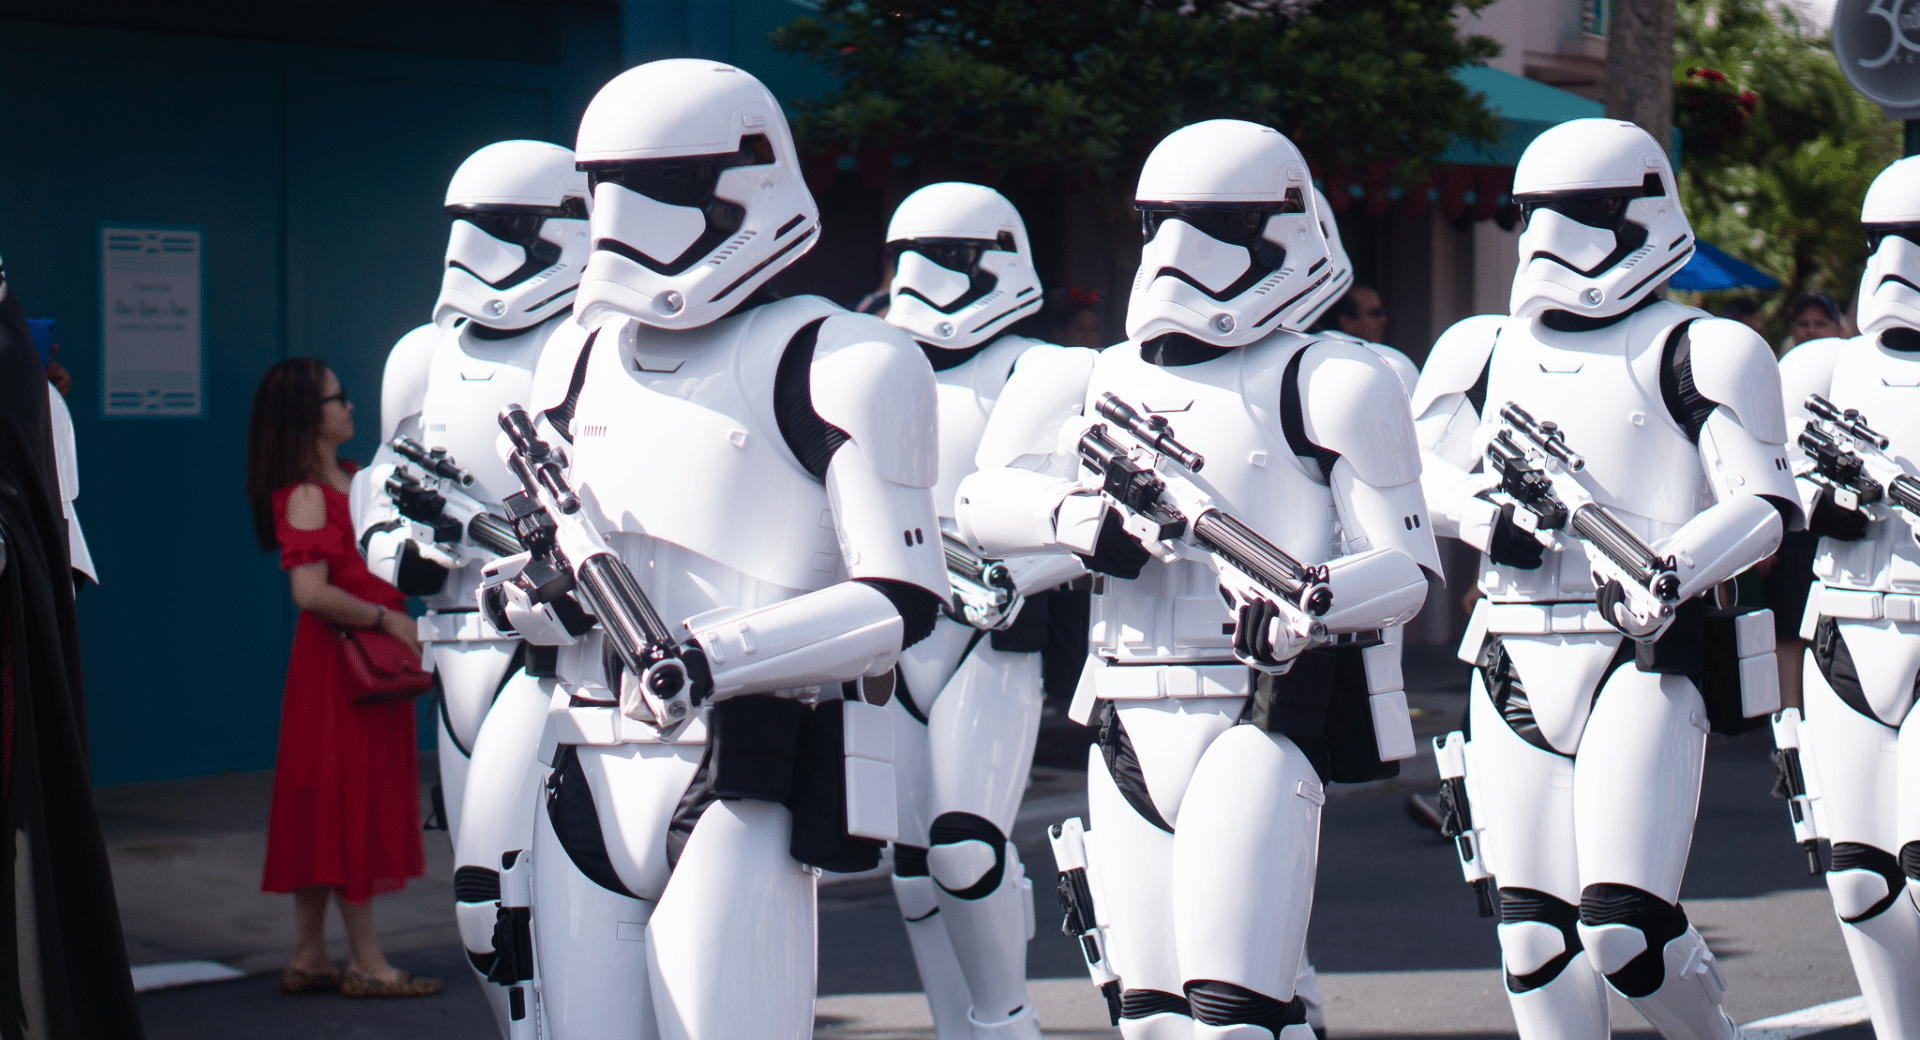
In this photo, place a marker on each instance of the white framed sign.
(151, 297)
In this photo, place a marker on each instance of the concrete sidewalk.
(187, 856)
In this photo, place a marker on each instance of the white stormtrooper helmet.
(1603, 224)
(1341, 265)
(519, 239)
(1234, 246)
(1890, 288)
(963, 270)
(698, 197)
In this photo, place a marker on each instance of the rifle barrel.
(1548, 437)
(439, 464)
(1266, 563)
(493, 534)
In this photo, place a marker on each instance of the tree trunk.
(1640, 66)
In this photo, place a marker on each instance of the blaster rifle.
(569, 555)
(1537, 472)
(983, 590)
(1849, 459)
(1123, 453)
(448, 512)
(1456, 817)
(1080, 921)
(1790, 785)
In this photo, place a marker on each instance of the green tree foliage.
(1085, 88)
(1784, 195)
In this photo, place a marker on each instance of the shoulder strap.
(812, 440)
(1688, 407)
(1293, 422)
(561, 415)
(1477, 393)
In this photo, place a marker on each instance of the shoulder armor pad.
(403, 387)
(1457, 360)
(1355, 406)
(1808, 369)
(1047, 388)
(1734, 368)
(871, 381)
(1403, 367)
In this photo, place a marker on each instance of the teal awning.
(1528, 107)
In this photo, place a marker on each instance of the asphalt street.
(1395, 933)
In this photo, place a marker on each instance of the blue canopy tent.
(1710, 270)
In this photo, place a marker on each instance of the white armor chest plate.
(1884, 386)
(1603, 389)
(967, 392)
(1228, 410)
(675, 439)
(470, 381)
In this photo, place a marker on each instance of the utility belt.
(1857, 605)
(1344, 705)
(1727, 652)
(459, 626)
(823, 752)
(1533, 619)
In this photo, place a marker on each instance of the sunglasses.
(1238, 223)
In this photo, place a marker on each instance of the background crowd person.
(345, 819)
(1360, 314)
(1746, 311)
(1077, 316)
(63, 966)
(1816, 316)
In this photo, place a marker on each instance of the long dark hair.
(283, 436)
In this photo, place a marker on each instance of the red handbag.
(384, 668)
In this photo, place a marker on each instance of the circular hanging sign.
(1877, 43)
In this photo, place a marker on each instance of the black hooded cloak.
(63, 962)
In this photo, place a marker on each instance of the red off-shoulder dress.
(346, 784)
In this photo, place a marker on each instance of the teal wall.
(312, 142)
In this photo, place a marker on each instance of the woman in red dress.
(346, 800)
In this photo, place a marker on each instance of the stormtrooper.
(514, 257)
(1859, 744)
(1616, 457)
(966, 711)
(750, 477)
(1250, 498)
